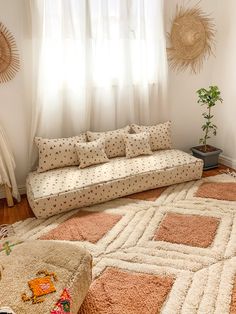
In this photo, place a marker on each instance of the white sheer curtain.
(98, 64)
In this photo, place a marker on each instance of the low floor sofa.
(59, 190)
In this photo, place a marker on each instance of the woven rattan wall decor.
(9, 57)
(191, 38)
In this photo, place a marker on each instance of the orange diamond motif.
(191, 230)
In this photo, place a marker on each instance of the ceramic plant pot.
(210, 157)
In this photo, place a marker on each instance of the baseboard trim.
(22, 190)
(227, 161)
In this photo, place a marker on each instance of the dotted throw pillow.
(115, 145)
(160, 134)
(58, 153)
(137, 144)
(91, 153)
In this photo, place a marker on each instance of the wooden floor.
(22, 210)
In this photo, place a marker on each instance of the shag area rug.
(170, 250)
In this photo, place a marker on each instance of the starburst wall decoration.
(191, 38)
(9, 57)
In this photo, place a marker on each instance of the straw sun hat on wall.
(191, 39)
(9, 58)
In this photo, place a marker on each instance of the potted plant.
(209, 154)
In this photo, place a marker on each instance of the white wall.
(14, 115)
(185, 112)
(219, 70)
(224, 74)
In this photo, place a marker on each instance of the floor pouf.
(44, 277)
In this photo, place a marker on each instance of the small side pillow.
(91, 153)
(58, 153)
(137, 144)
(160, 134)
(115, 146)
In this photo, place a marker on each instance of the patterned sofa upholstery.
(60, 190)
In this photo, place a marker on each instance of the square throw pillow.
(137, 144)
(57, 153)
(115, 145)
(91, 153)
(160, 134)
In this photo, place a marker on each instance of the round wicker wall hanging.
(9, 57)
(191, 39)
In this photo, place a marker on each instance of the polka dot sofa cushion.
(160, 134)
(49, 195)
(36, 268)
(91, 153)
(137, 144)
(58, 153)
(115, 145)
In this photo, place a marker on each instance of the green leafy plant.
(209, 98)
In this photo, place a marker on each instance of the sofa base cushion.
(57, 191)
(71, 264)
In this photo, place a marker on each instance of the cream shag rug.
(173, 254)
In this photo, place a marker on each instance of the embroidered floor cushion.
(44, 277)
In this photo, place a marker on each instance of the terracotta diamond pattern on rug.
(217, 190)
(84, 226)
(117, 291)
(173, 255)
(191, 230)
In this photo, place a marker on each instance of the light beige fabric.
(7, 165)
(160, 134)
(115, 146)
(91, 153)
(137, 144)
(60, 190)
(72, 265)
(58, 153)
(7, 310)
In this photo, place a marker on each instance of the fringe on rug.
(231, 173)
(6, 231)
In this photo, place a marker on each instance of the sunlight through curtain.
(97, 64)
